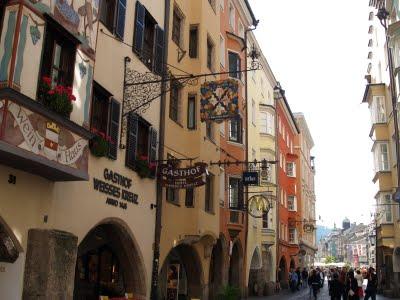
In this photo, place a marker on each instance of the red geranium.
(46, 80)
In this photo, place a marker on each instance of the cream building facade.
(261, 234)
(91, 214)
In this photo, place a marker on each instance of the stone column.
(50, 265)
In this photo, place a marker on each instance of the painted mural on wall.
(219, 100)
(80, 17)
(37, 134)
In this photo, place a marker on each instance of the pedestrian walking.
(360, 279)
(314, 282)
(372, 285)
(299, 281)
(351, 286)
(304, 277)
(336, 288)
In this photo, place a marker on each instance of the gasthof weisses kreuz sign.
(183, 178)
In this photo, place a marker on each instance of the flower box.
(144, 168)
(100, 143)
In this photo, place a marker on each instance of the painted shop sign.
(219, 100)
(250, 178)
(117, 187)
(183, 178)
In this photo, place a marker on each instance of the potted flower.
(100, 143)
(58, 99)
(144, 168)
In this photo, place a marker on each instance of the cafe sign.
(183, 178)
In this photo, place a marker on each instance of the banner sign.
(219, 100)
(182, 178)
(250, 178)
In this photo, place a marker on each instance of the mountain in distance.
(322, 231)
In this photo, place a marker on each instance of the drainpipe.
(158, 227)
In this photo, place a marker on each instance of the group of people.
(348, 284)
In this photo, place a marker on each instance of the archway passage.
(282, 273)
(181, 276)
(235, 269)
(256, 280)
(216, 270)
(108, 264)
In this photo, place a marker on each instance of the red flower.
(51, 92)
(143, 157)
(152, 165)
(46, 80)
(71, 97)
(102, 135)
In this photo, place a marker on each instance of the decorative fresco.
(219, 100)
(80, 17)
(37, 134)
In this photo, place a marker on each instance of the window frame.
(231, 16)
(239, 130)
(175, 87)
(192, 98)
(237, 73)
(189, 202)
(380, 164)
(179, 14)
(238, 181)
(291, 171)
(196, 49)
(210, 56)
(292, 203)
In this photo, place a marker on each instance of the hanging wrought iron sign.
(308, 227)
(183, 178)
(258, 205)
(219, 100)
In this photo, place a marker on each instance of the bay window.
(292, 203)
(234, 65)
(377, 110)
(267, 123)
(291, 169)
(235, 193)
(292, 236)
(385, 208)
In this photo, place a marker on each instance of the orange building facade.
(288, 202)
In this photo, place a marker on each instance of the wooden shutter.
(158, 50)
(139, 28)
(113, 128)
(131, 143)
(120, 26)
(152, 145)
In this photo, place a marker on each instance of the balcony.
(36, 140)
(236, 222)
(268, 236)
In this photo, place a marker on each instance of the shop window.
(105, 117)
(193, 41)
(209, 194)
(189, 197)
(191, 113)
(112, 15)
(235, 130)
(235, 193)
(141, 141)
(148, 39)
(58, 60)
(177, 26)
(234, 65)
(175, 102)
(210, 53)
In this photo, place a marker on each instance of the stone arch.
(283, 272)
(256, 280)
(217, 268)
(236, 265)
(184, 260)
(10, 246)
(110, 242)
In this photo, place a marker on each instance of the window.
(279, 125)
(141, 141)
(210, 53)
(174, 102)
(148, 40)
(292, 203)
(265, 220)
(112, 15)
(189, 197)
(209, 194)
(240, 30)
(253, 112)
(58, 58)
(377, 110)
(172, 195)
(193, 41)
(210, 130)
(291, 169)
(222, 187)
(267, 123)
(234, 65)
(292, 236)
(235, 193)
(177, 25)
(386, 208)
(191, 114)
(222, 50)
(105, 117)
(235, 130)
(232, 17)
(381, 157)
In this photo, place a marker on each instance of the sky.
(317, 50)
